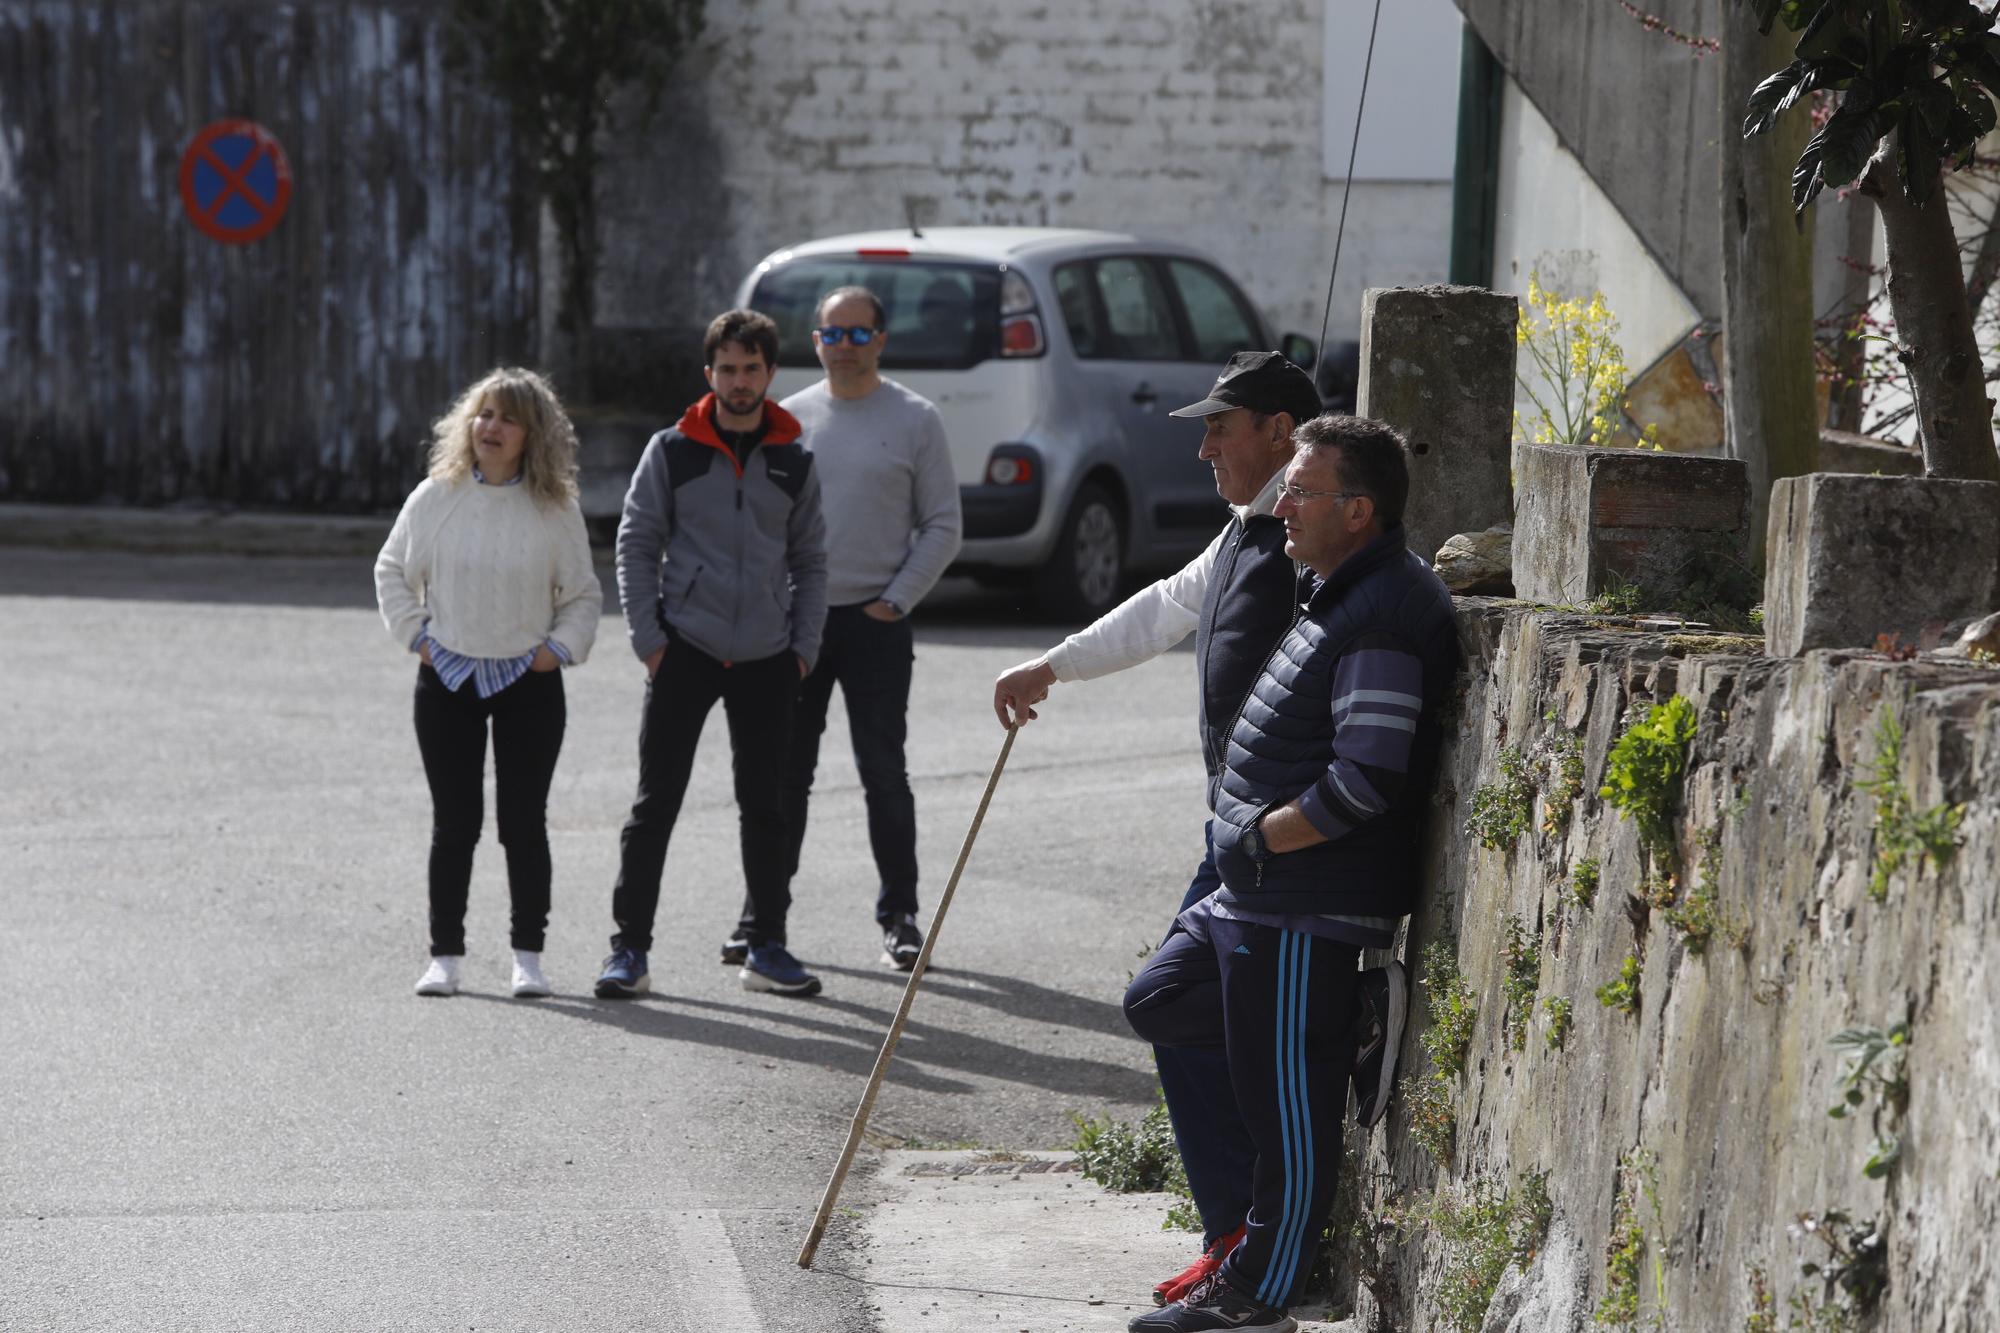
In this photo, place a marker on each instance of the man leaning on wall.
(1237, 599)
(1315, 837)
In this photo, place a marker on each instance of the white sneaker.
(441, 977)
(528, 978)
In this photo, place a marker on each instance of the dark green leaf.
(1932, 100)
(1795, 13)
(1979, 108)
(1848, 141)
(1960, 14)
(1774, 95)
(1826, 33)
(1806, 182)
(1974, 62)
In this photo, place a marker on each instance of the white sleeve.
(399, 588)
(578, 596)
(1142, 626)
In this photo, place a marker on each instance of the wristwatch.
(900, 612)
(1253, 843)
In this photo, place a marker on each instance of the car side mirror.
(1298, 350)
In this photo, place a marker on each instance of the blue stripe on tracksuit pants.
(1277, 1004)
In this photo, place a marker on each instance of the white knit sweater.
(493, 571)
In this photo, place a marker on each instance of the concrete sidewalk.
(1015, 1242)
(192, 531)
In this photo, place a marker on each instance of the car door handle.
(1144, 395)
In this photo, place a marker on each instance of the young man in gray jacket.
(892, 525)
(722, 572)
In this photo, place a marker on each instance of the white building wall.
(1553, 218)
(1199, 121)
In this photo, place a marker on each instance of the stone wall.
(1725, 1073)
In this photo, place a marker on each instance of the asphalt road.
(224, 1109)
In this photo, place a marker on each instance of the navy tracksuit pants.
(1215, 1147)
(1277, 1007)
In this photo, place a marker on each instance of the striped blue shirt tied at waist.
(489, 675)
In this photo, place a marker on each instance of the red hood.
(698, 424)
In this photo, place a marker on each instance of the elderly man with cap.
(1236, 597)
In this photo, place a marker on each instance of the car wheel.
(1087, 568)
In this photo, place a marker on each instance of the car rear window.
(941, 315)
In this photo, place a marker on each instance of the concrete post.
(1437, 363)
(1662, 521)
(1851, 557)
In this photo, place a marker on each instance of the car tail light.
(881, 254)
(1013, 465)
(1021, 335)
(1020, 321)
(1010, 472)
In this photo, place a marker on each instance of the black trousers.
(757, 699)
(871, 662)
(527, 719)
(1278, 1004)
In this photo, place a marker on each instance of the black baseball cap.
(1265, 382)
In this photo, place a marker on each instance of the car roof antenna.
(910, 215)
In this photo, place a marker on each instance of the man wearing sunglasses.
(890, 498)
(1236, 598)
(1317, 813)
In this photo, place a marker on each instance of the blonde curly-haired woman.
(487, 577)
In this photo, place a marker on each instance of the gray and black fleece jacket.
(725, 552)
(1347, 718)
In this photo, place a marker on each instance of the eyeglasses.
(1298, 495)
(833, 335)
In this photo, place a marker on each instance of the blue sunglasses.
(832, 335)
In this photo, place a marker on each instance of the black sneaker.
(1383, 1003)
(1214, 1305)
(736, 949)
(901, 943)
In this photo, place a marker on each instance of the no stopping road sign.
(235, 181)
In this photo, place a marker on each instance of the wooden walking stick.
(860, 1125)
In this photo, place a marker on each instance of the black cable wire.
(1319, 357)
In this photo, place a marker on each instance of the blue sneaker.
(771, 967)
(624, 975)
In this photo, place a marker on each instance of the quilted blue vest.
(1245, 610)
(1283, 741)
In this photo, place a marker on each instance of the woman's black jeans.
(528, 718)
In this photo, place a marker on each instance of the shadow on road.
(1009, 995)
(801, 1031)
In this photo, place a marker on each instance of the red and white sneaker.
(1188, 1278)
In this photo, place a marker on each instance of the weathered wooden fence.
(141, 361)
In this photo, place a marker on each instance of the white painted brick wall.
(1191, 120)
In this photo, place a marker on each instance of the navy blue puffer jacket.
(1346, 719)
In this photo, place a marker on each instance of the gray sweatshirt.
(887, 491)
(729, 554)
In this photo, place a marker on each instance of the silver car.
(1054, 356)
